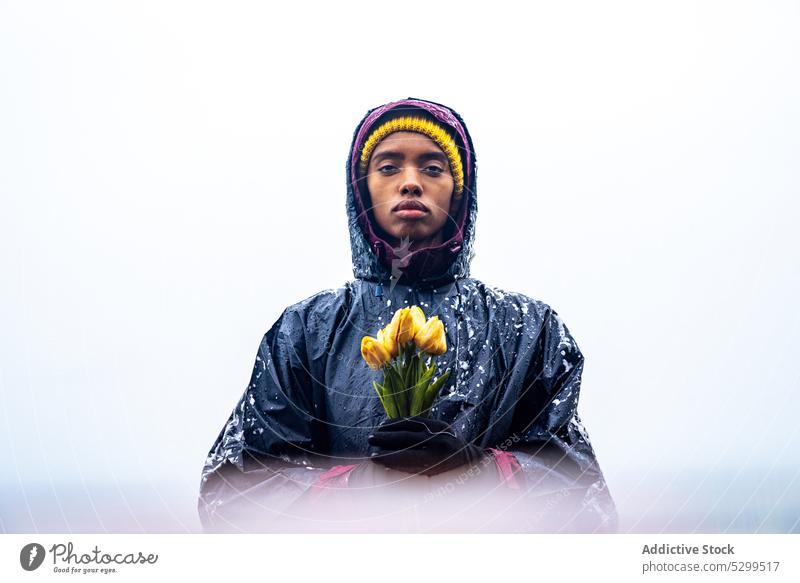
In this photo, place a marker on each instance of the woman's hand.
(418, 445)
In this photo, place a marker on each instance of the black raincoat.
(513, 390)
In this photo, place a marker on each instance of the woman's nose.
(411, 183)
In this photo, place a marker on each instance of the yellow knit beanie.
(423, 126)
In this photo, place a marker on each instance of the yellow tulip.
(374, 352)
(418, 316)
(431, 338)
(388, 342)
(401, 328)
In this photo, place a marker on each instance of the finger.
(405, 439)
(435, 425)
(407, 460)
(418, 462)
(397, 439)
(403, 424)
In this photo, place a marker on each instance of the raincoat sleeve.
(548, 439)
(267, 454)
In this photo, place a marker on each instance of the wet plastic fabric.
(298, 434)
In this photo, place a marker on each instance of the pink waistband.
(508, 465)
(336, 477)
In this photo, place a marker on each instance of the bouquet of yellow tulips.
(408, 387)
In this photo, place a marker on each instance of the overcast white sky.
(172, 171)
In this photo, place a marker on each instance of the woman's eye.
(435, 170)
(386, 168)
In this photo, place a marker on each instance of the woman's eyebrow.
(424, 156)
(434, 156)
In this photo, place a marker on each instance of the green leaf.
(421, 389)
(417, 397)
(387, 406)
(433, 390)
(398, 391)
(389, 393)
(412, 379)
(409, 371)
(423, 376)
(420, 369)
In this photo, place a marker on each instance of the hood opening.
(436, 263)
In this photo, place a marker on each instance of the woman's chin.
(412, 238)
(412, 233)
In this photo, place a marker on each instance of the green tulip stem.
(392, 404)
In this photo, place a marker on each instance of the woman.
(311, 422)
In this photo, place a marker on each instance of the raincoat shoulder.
(546, 435)
(273, 446)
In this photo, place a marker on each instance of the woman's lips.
(411, 210)
(409, 213)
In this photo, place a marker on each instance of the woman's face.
(407, 168)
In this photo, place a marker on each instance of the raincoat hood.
(374, 259)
